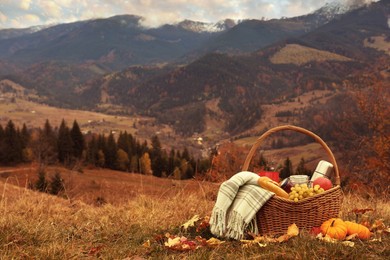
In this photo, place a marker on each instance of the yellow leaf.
(172, 242)
(249, 243)
(190, 223)
(146, 243)
(283, 238)
(214, 241)
(293, 230)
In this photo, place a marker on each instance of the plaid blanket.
(238, 201)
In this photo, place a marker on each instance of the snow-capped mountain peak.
(332, 9)
(207, 27)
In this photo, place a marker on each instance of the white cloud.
(50, 9)
(3, 18)
(25, 4)
(155, 12)
(32, 18)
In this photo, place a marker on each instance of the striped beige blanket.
(238, 201)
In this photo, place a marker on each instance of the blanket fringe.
(236, 226)
(218, 222)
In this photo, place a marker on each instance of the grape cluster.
(301, 191)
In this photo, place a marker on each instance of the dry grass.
(379, 43)
(39, 226)
(36, 225)
(299, 55)
(34, 115)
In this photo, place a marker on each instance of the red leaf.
(315, 230)
(361, 211)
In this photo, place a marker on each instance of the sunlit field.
(41, 226)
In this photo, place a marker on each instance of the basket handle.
(297, 129)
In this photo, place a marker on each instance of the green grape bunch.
(302, 191)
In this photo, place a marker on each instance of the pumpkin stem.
(331, 225)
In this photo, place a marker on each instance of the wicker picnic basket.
(279, 213)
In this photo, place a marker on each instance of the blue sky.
(25, 13)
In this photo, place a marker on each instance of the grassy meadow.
(135, 220)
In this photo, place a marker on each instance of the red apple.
(324, 183)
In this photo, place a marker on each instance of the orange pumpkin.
(354, 228)
(334, 228)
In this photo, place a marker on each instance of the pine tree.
(287, 169)
(171, 162)
(41, 184)
(132, 150)
(45, 147)
(2, 145)
(158, 164)
(25, 137)
(186, 155)
(64, 143)
(110, 152)
(92, 151)
(301, 169)
(12, 144)
(123, 142)
(263, 163)
(56, 184)
(78, 140)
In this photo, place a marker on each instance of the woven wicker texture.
(279, 213)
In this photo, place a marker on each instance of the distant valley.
(218, 81)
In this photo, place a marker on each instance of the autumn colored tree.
(134, 163)
(374, 103)
(122, 160)
(146, 164)
(177, 173)
(101, 158)
(227, 161)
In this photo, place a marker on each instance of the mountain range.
(192, 73)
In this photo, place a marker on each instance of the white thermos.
(323, 169)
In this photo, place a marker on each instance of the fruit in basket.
(323, 182)
(268, 184)
(302, 191)
(335, 228)
(354, 228)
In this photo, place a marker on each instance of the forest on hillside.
(69, 147)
